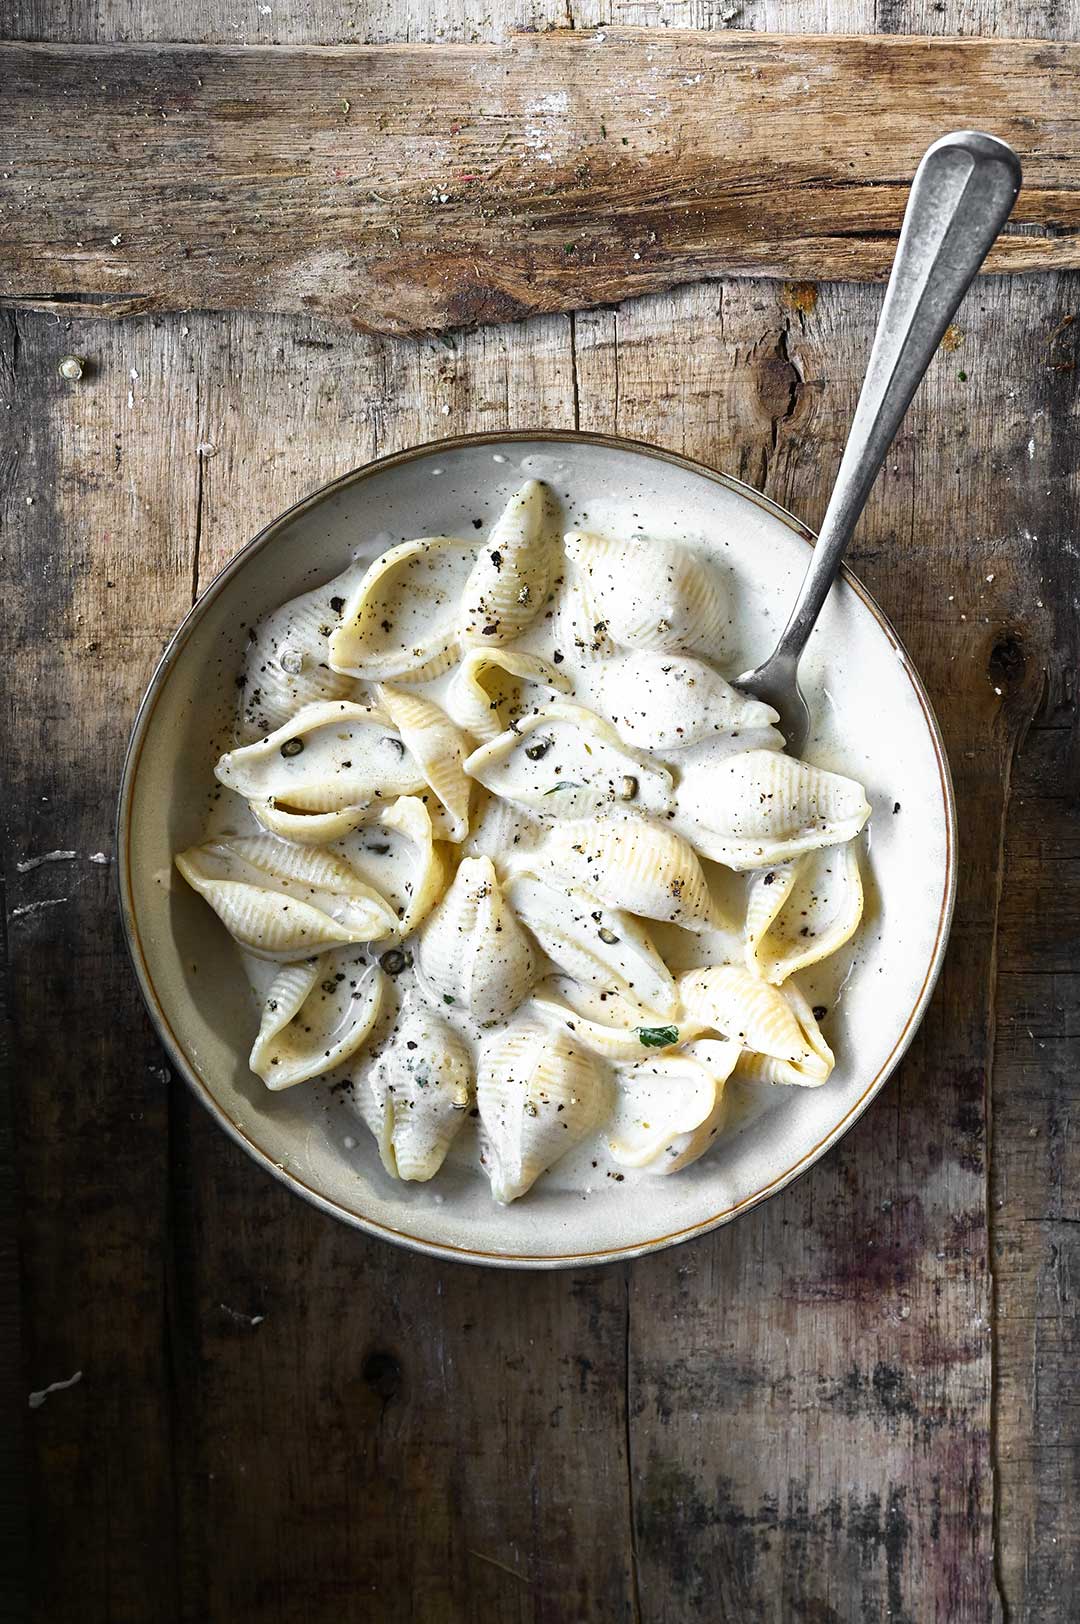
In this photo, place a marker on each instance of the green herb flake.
(564, 783)
(657, 1037)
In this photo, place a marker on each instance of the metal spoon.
(960, 198)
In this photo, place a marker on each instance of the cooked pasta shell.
(650, 594)
(498, 827)
(418, 1094)
(287, 664)
(399, 857)
(485, 693)
(671, 1108)
(809, 1072)
(770, 1022)
(315, 1016)
(605, 1025)
(539, 1095)
(638, 865)
(438, 748)
(401, 620)
(669, 701)
(566, 762)
(313, 828)
(601, 947)
(472, 952)
(282, 901)
(508, 584)
(576, 628)
(802, 911)
(760, 808)
(326, 759)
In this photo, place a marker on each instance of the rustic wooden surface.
(402, 189)
(858, 1402)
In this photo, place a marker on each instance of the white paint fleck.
(47, 857)
(36, 907)
(37, 1399)
(1031, 449)
(98, 857)
(241, 1318)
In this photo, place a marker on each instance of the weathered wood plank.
(445, 1403)
(97, 535)
(816, 1432)
(403, 189)
(465, 22)
(735, 1446)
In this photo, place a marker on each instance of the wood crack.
(635, 1569)
(992, 1229)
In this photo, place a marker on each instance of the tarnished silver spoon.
(960, 198)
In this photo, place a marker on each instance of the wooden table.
(859, 1402)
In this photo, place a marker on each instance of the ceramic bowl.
(874, 723)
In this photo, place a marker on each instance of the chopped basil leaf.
(657, 1037)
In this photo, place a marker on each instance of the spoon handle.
(960, 198)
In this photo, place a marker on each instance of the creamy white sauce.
(615, 684)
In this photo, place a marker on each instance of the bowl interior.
(872, 722)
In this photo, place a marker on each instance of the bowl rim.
(156, 1011)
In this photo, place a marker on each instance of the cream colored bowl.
(876, 725)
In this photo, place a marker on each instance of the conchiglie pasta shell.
(669, 701)
(564, 761)
(287, 662)
(634, 863)
(419, 1095)
(313, 828)
(437, 746)
(539, 1095)
(598, 946)
(498, 827)
(484, 696)
(763, 1019)
(348, 756)
(508, 584)
(282, 901)
(401, 621)
(671, 1108)
(803, 911)
(431, 871)
(650, 594)
(613, 1029)
(472, 951)
(315, 1017)
(761, 807)
(813, 1069)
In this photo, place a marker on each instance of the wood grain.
(403, 189)
(855, 1403)
(80, 482)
